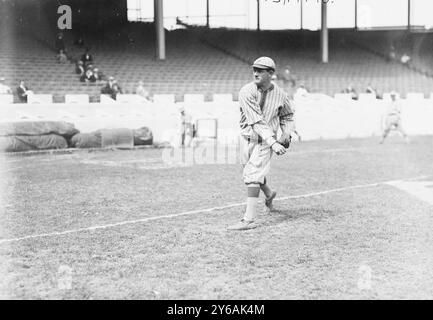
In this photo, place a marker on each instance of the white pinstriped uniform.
(262, 113)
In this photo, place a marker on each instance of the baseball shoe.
(268, 202)
(243, 225)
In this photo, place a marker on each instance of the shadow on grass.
(277, 217)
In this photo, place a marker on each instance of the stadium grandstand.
(201, 59)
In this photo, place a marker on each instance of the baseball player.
(264, 108)
(185, 127)
(393, 118)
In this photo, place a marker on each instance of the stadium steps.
(348, 63)
(194, 66)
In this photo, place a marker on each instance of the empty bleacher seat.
(6, 98)
(193, 98)
(223, 97)
(76, 98)
(40, 98)
(163, 98)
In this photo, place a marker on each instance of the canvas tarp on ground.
(35, 128)
(27, 143)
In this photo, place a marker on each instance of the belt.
(258, 140)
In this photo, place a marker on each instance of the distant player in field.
(186, 128)
(393, 118)
(264, 107)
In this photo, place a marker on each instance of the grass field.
(123, 225)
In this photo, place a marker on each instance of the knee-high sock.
(252, 202)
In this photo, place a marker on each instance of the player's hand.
(285, 140)
(278, 148)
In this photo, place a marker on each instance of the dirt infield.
(124, 224)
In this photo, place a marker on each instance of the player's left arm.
(286, 121)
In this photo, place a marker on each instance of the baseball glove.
(285, 141)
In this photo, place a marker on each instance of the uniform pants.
(256, 160)
(393, 121)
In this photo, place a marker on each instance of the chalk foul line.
(187, 213)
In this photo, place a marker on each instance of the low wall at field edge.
(317, 117)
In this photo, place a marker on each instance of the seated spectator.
(372, 90)
(23, 92)
(350, 89)
(88, 76)
(98, 75)
(61, 57)
(108, 88)
(115, 91)
(287, 77)
(143, 92)
(112, 88)
(59, 43)
(89, 67)
(87, 58)
(4, 89)
(301, 92)
(405, 58)
(79, 68)
(79, 42)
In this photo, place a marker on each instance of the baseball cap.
(264, 63)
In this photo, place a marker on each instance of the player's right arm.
(254, 116)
